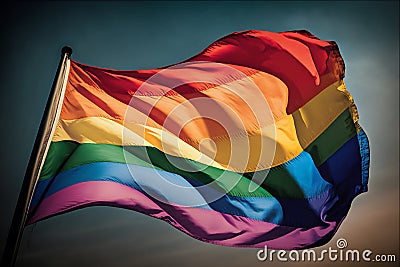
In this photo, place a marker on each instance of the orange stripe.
(247, 105)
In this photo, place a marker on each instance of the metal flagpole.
(36, 161)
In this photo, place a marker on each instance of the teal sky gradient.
(142, 35)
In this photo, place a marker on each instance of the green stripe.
(57, 157)
(142, 156)
(66, 155)
(336, 135)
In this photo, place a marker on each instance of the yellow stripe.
(313, 118)
(240, 153)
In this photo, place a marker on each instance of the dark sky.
(139, 35)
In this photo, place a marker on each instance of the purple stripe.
(206, 225)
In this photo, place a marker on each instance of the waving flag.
(254, 141)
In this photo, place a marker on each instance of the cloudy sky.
(139, 35)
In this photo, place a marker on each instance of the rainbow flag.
(254, 141)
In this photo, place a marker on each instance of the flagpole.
(37, 158)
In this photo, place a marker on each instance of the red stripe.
(305, 64)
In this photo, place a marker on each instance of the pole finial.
(66, 50)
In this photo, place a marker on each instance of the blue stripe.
(344, 166)
(342, 171)
(365, 158)
(267, 209)
(347, 170)
(264, 209)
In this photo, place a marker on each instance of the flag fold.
(254, 141)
